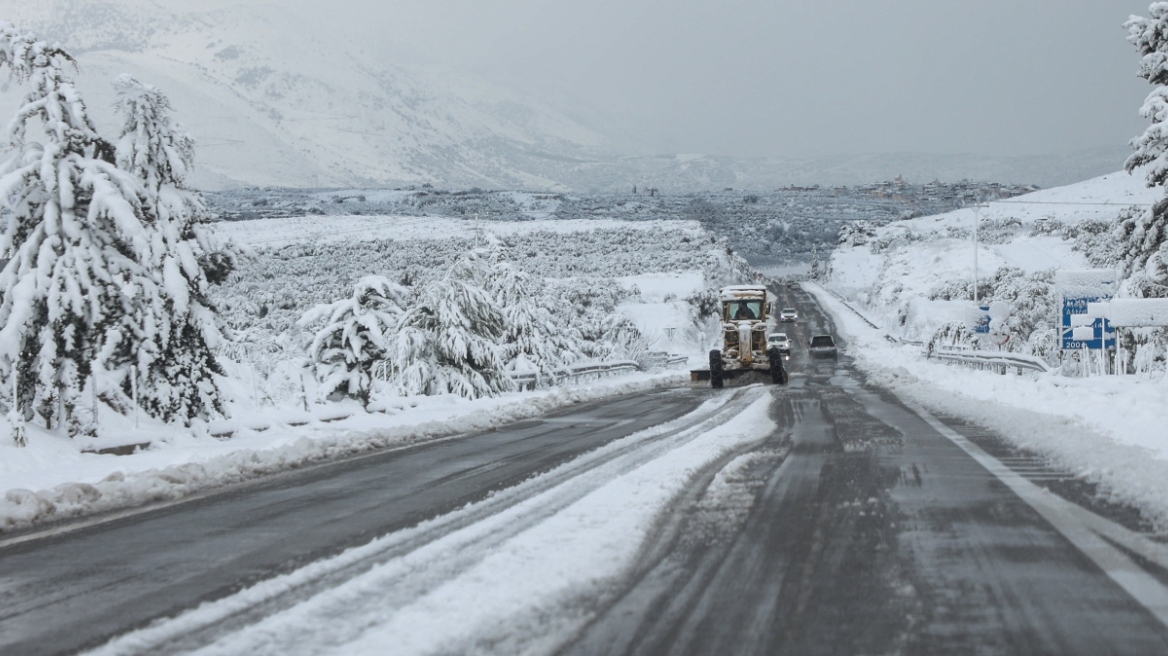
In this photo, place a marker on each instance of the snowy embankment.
(51, 479)
(519, 572)
(912, 277)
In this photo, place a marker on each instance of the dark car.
(822, 346)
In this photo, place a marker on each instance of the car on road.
(822, 346)
(781, 341)
(788, 314)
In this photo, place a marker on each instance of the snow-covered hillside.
(277, 100)
(917, 275)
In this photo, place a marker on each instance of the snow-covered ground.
(662, 313)
(52, 478)
(1109, 429)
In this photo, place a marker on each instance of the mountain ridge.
(273, 100)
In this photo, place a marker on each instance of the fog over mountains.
(274, 100)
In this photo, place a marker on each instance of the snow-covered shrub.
(706, 303)
(856, 234)
(951, 335)
(1046, 225)
(1031, 297)
(623, 340)
(998, 230)
(357, 337)
(1094, 239)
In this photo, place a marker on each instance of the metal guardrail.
(992, 359)
(530, 379)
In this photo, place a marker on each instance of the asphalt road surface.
(873, 534)
(859, 528)
(73, 591)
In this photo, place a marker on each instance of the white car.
(780, 340)
(788, 314)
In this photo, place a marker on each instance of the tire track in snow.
(413, 562)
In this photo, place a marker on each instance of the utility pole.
(976, 224)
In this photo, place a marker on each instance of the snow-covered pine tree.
(1150, 37)
(531, 339)
(1141, 247)
(73, 239)
(170, 352)
(447, 342)
(814, 262)
(358, 335)
(1143, 236)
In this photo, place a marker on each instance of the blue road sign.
(1104, 334)
(981, 323)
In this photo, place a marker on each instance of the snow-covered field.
(328, 229)
(912, 277)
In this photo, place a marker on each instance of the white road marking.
(1091, 534)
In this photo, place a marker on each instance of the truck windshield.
(743, 310)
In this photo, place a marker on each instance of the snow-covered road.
(826, 517)
(106, 578)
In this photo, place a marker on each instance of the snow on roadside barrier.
(123, 487)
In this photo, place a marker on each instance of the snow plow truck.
(744, 339)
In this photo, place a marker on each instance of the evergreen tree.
(447, 342)
(531, 340)
(73, 240)
(1141, 247)
(168, 342)
(1150, 37)
(814, 262)
(357, 337)
(1142, 244)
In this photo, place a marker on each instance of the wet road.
(866, 532)
(74, 591)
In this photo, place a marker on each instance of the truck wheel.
(716, 369)
(778, 372)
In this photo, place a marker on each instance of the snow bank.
(1108, 430)
(52, 480)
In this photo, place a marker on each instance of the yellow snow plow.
(744, 339)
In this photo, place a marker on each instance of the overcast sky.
(802, 77)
